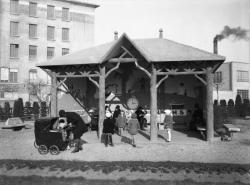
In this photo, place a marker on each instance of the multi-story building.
(32, 31)
(232, 78)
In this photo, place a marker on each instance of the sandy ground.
(19, 145)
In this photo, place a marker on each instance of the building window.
(14, 50)
(50, 52)
(242, 76)
(50, 33)
(14, 6)
(218, 77)
(32, 75)
(4, 74)
(50, 12)
(65, 14)
(65, 51)
(65, 34)
(1, 94)
(14, 28)
(243, 93)
(32, 52)
(32, 9)
(32, 30)
(13, 75)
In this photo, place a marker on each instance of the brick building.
(32, 31)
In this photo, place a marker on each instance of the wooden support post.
(53, 106)
(209, 105)
(153, 105)
(101, 100)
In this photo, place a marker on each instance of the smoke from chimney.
(237, 33)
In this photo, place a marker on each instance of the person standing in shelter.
(133, 127)
(108, 129)
(121, 122)
(78, 127)
(140, 116)
(116, 113)
(168, 123)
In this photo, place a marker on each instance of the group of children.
(119, 122)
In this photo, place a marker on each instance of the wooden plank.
(77, 76)
(153, 105)
(209, 104)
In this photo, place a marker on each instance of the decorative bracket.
(143, 69)
(61, 82)
(111, 70)
(159, 83)
(95, 82)
(201, 79)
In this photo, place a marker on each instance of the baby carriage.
(48, 139)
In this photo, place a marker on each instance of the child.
(121, 122)
(133, 127)
(168, 123)
(108, 129)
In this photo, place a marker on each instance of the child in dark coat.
(108, 129)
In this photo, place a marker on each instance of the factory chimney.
(216, 44)
(160, 33)
(116, 35)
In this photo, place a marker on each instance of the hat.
(108, 114)
(167, 111)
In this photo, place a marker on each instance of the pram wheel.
(35, 145)
(54, 150)
(42, 149)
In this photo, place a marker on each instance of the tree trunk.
(101, 100)
(153, 106)
(53, 108)
(209, 105)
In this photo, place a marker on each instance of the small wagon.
(47, 139)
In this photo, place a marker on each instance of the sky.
(191, 22)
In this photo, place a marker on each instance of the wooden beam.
(181, 73)
(77, 76)
(94, 82)
(143, 69)
(201, 79)
(123, 60)
(53, 107)
(111, 70)
(126, 50)
(153, 105)
(159, 83)
(101, 100)
(209, 104)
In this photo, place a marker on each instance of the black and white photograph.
(124, 92)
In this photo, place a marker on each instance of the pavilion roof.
(153, 50)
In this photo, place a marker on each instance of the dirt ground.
(185, 147)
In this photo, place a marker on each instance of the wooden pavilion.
(157, 58)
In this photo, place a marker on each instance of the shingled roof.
(153, 50)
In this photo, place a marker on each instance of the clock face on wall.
(132, 103)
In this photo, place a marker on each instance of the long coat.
(168, 122)
(121, 121)
(108, 126)
(133, 126)
(78, 123)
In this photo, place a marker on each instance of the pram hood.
(44, 124)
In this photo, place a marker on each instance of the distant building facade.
(32, 31)
(230, 79)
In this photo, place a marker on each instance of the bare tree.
(38, 89)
